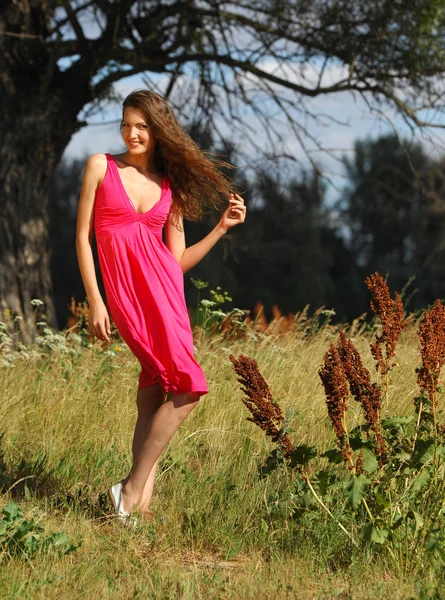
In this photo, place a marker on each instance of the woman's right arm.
(98, 321)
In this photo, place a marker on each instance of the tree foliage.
(394, 205)
(239, 66)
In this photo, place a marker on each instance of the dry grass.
(219, 537)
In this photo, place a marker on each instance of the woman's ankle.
(130, 496)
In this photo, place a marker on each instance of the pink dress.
(144, 286)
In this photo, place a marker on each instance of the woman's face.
(136, 133)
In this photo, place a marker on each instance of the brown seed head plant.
(369, 395)
(266, 413)
(78, 309)
(79, 314)
(392, 316)
(359, 464)
(432, 350)
(335, 385)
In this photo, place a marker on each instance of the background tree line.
(254, 66)
(298, 248)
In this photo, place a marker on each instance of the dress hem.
(169, 388)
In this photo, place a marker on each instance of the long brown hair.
(196, 181)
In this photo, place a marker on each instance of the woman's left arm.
(175, 238)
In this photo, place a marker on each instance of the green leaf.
(301, 455)
(417, 517)
(358, 430)
(11, 511)
(403, 456)
(381, 501)
(59, 543)
(324, 479)
(273, 461)
(26, 492)
(397, 522)
(333, 455)
(358, 437)
(31, 543)
(431, 544)
(264, 526)
(370, 463)
(396, 422)
(421, 480)
(423, 452)
(370, 533)
(356, 488)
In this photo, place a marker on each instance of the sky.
(350, 120)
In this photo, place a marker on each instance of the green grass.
(67, 421)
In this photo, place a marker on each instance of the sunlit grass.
(224, 531)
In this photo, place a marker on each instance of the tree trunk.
(32, 140)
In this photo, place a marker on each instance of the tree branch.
(73, 20)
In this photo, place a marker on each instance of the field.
(223, 530)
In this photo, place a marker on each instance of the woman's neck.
(144, 163)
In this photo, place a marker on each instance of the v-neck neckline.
(130, 201)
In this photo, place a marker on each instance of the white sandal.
(115, 493)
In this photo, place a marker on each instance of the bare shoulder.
(95, 168)
(175, 217)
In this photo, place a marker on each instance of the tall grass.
(225, 531)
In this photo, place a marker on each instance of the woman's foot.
(129, 502)
(147, 513)
(115, 493)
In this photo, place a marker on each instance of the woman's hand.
(99, 321)
(235, 214)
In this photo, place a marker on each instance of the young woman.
(129, 200)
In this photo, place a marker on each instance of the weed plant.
(383, 484)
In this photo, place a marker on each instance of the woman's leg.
(151, 442)
(148, 400)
